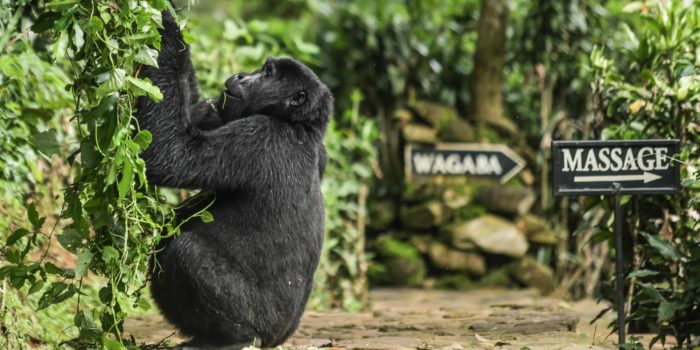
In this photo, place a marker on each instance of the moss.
(397, 263)
(456, 282)
(469, 212)
(497, 278)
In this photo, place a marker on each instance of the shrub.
(651, 89)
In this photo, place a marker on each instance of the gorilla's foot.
(196, 345)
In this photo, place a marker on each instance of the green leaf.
(147, 56)
(87, 325)
(84, 259)
(109, 254)
(143, 304)
(61, 4)
(144, 87)
(33, 215)
(35, 287)
(110, 82)
(663, 246)
(79, 37)
(143, 139)
(11, 67)
(70, 239)
(642, 273)
(127, 178)
(46, 143)
(45, 21)
(16, 236)
(206, 216)
(89, 156)
(667, 309)
(112, 344)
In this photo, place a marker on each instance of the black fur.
(246, 276)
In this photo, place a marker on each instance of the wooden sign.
(463, 159)
(606, 167)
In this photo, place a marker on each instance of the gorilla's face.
(283, 88)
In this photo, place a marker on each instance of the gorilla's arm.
(182, 155)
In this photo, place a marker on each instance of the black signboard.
(616, 168)
(463, 159)
(610, 167)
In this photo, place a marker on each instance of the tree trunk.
(489, 59)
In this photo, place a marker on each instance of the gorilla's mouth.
(230, 106)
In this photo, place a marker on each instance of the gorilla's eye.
(298, 99)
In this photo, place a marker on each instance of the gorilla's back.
(247, 274)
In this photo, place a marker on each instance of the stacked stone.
(455, 232)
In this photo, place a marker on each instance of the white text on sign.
(614, 159)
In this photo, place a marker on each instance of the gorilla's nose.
(233, 85)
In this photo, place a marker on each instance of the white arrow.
(646, 176)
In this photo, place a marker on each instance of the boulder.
(456, 197)
(382, 214)
(456, 282)
(397, 263)
(509, 200)
(447, 258)
(403, 115)
(538, 230)
(424, 215)
(497, 278)
(419, 133)
(450, 127)
(491, 234)
(533, 274)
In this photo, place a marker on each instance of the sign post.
(493, 161)
(615, 168)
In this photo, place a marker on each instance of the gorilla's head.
(282, 88)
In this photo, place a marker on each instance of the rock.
(403, 115)
(400, 264)
(446, 258)
(491, 234)
(456, 197)
(424, 216)
(382, 214)
(498, 278)
(533, 274)
(506, 199)
(538, 230)
(451, 128)
(456, 282)
(421, 242)
(419, 133)
(435, 114)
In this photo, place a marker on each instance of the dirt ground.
(425, 319)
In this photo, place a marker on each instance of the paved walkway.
(422, 320)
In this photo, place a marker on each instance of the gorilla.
(258, 151)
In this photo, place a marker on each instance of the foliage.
(651, 90)
(110, 218)
(393, 47)
(341, 279)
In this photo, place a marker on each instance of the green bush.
(651, 89)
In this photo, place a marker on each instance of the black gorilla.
(246, 276)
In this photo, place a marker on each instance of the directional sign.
(603, 167)
(463, 159)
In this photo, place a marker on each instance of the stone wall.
(458, 232)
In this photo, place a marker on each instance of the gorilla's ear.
(321, 111)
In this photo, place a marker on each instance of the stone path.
(422, 320)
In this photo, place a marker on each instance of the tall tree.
(489, 60)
